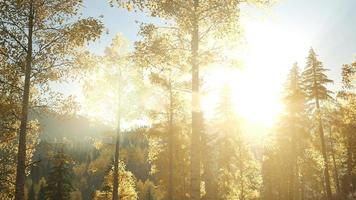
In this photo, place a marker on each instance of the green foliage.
(42, 192)
(31, 193)
(315, 79)
(59, 182)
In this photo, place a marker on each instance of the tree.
(292, 147)
(41, 193)
(198, 21)
(116, 69)
(147, 191)
(237, 169)
(39, 39)
(348, 75)
(126, 189)
(10, 101)
(31, 193)
(295, 122)
(344, 126)
(160, 54)
(347, 108)
(59, 181)
(315, 80)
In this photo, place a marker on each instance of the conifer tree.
(31, 193)
(41, 193)
(315, 81)
(295, 102)
(59, 181)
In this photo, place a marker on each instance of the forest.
(177, 100)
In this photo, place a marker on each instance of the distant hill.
(72, 128)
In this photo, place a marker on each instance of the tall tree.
(315, 81)
(295, 119)
(348, 108)
(198, 21)
(10, 109)
(290, 147)
(59, 182)
(115, 69)
(39, 39)
(344, 121)
(159, 52)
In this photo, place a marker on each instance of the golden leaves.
(85, 30)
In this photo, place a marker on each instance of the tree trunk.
(302, 188)
(21, 155)
(336, 173)
(349, 163)
(297, 185)
(241, 168)
(208, 176)
(196, 112)
(115, 194)
(170, 144)
(293, 163)
(325, 156)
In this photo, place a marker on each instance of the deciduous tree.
(39, 39)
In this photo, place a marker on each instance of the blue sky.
(331, 25)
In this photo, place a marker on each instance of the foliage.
(59, 181)
(127, 190)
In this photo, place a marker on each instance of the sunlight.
(270, 50)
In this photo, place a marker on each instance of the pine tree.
(31, 193)
(315, 81)
(59, 182)
(42, 192)
(295, 103)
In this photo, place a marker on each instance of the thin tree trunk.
(209, 178)
(196, 112)
(293, 166)
(115, 194)
(170, 143)
(325, 157)
(302, 188)
(349, 161)
(242, 186)
(336, 173)
(21, 155)
(297, 185)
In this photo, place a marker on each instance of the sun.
(270, 51)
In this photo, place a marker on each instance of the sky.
(331, 25)
(275, 38)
